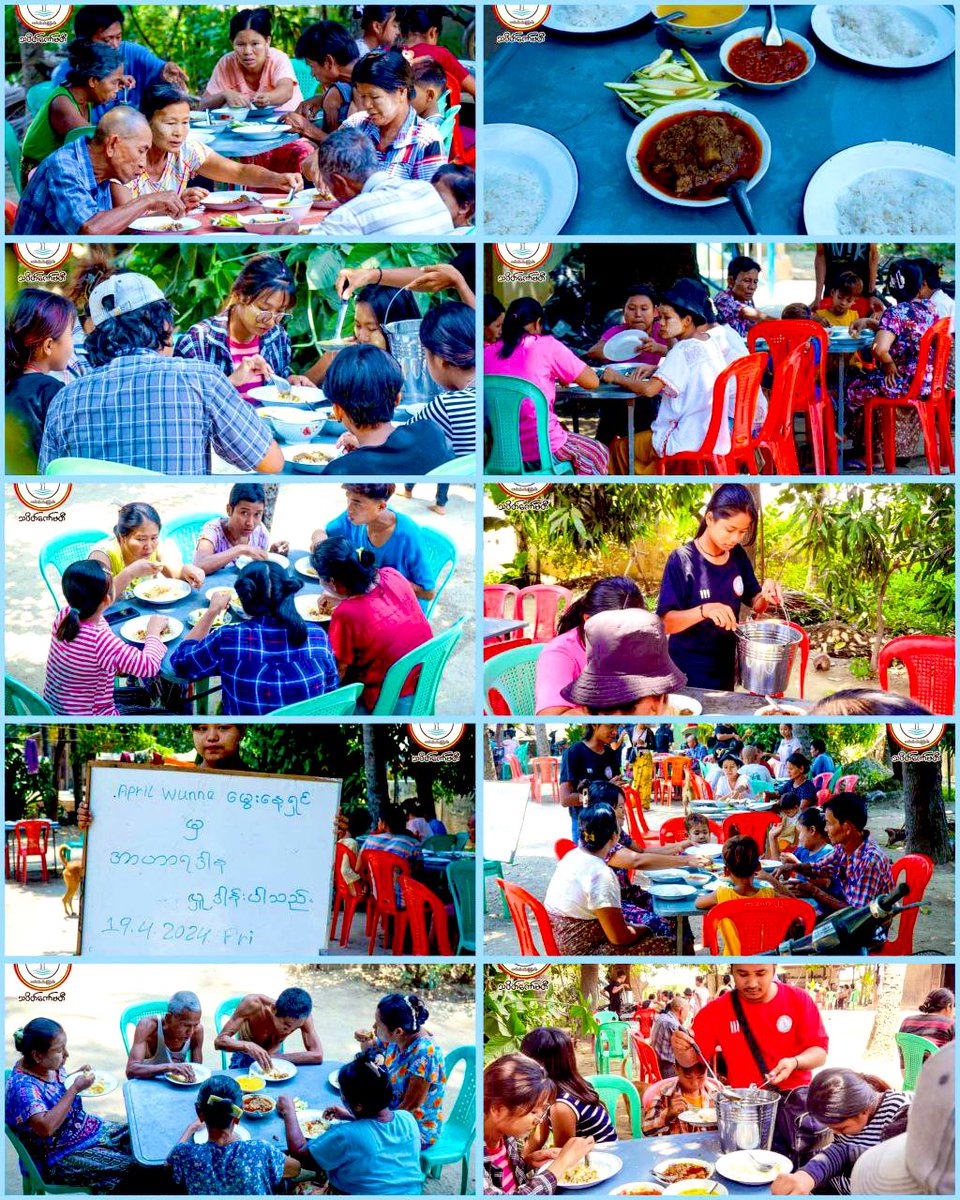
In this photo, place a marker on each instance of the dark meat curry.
(697, 155)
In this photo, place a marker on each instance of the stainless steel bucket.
(746, 1118)
(765, 654)
(403, 338)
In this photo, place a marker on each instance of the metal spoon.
(341, 317)
(282, 385)
(765, 1167)
(674, 16)
(737, 195)
(771, 34)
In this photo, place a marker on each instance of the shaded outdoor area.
(344, 1000)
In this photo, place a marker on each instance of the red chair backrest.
(847, 783)
(341, 852)
(516, 770)
(933, 360)
(748, 373)
(648, 1069)
(761, 924)
(674, 768)
(32, 836)
(930, 663)
(419, 901)
(383, 868)
(749, 824)
(632, 798)
(548, 600)
(562, 847)
(496, 597)
(918, 871)
(783, 337)
(494, 648)
(673, 830)
(823, 795)
(637, 831)
(717, 830)
(822, 780)
(518, 901)
(701, 789)
(645, 1019)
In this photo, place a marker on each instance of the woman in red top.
(376, 619)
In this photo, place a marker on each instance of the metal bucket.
(403, 338)
(746, 1118)
(765, 654)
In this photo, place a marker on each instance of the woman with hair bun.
(935, 1020)
(412, 1059)
(267, 662)
(377, 621)
(70, 1147)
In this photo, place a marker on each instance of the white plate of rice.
(896, 191)
(895, 36)
(593, 18)
(530, 183)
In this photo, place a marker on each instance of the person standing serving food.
(704, 584)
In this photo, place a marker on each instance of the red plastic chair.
(384, 869)
(749, 824)
(517, 774)
(813, 398)
(701, 789)
(918, 870)
(546, 773)
(9, 215)
(822, 781)
(343, 898)
(930, 663)
(644, 1058)
(933, 407)
(562, 847)
(746, 373)
(518, 901)
(492, 649)
(632, 798)
(847, 783)
(761, 924)
(549, 600)
(499, 599)
(637, 831)
(645, 1018)
(672, 831)
(775, 440)
(32, 838)
(419, 903)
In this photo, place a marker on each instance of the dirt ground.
(535, 861)
(300, 509)
(343, 1000)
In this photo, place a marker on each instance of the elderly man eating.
(72, 190)
(259, 1025)
(162, 1044)
(373, 201)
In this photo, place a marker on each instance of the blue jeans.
(443, 491)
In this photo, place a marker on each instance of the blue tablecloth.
(158, 1112)
(641, 1155)
(558, 87)
(231, 145)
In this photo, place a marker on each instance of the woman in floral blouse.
(413, 1059)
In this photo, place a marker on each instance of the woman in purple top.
(43, 1107)
(734, 305)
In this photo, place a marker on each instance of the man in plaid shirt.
(672, 1018)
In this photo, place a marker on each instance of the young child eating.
(741, 865)
(783, 838)
(840, 309)
(243, 533)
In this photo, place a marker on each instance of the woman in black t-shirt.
(704, 584)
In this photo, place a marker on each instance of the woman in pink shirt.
(85, 655)
(526, 352)
(376, 620)
(563, 658)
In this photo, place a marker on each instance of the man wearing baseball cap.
(140, 406)
(73, 190)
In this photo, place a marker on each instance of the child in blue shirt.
(374, 1150)
(223, 1165)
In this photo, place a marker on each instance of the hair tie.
(18, 1033)
(74, 612)
(234, 1108)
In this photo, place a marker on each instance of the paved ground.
(96, 995)
(535, 862)
(301, 508)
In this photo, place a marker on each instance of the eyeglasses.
(268, 314)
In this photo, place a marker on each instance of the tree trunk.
(757, 552)
(489, 770)
(271, 491)
(375, 769)
(925, 813)
(886, 1020)
(543, 742)
(33, 67)
(802, 733)
(424, 777)
(878, 636)
(590, 984)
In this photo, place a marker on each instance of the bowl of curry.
(691, 152)
(767, 68)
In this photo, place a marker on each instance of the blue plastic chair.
(81, 131)
(225, 1011)
(460, 1128)
(308, 85)
(442, 559)
(63, 550)
(33, 1182)
(184, 532)
(464, 466)
(610, 1088)
(37, 95)
(462, 877)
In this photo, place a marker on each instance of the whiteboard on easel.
(504, 807)
(208, 865)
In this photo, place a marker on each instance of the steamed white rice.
(592, 16)
(513, 203)
(878, 34)
(897, 203)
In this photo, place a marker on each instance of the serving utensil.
(674, 16)
(765, 1167)
(737, 195)
(771, 34)
(341, 317)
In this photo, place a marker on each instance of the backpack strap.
(752, 1043)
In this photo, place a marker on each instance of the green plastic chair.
(33, 1182)
(11, 152)
(465, 465)
(63, 550)
(523, 754)
(184, 532)
(611, 1045)
(93, 466)
(431, 657)
(460, 1127)
(308, 85)
(21, 701)
(502, 397)
(610, 1089)
(136, 1012)
(460, 839)
(761, 787)
(439, 841)
(513, 675)
(442, 559)
(494, 870)
(915, 1051)
(605, 1017)
(342, 702)
(37, 95)
(81, 131)
(225, 1011)
(462, 877)
(446, 126)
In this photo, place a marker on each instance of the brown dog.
(72, 877)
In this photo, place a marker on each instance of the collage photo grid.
(296, 632)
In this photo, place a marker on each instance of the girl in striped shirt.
(576, 1111)
(85, 654)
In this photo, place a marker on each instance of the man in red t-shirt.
(785, 1023)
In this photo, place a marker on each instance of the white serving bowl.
(292, 424)
(700, 35)
(744, 35)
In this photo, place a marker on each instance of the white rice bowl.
(514, 202)
(875, 34)
(897, 203)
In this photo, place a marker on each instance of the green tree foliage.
(27, 796)
(552, 999)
